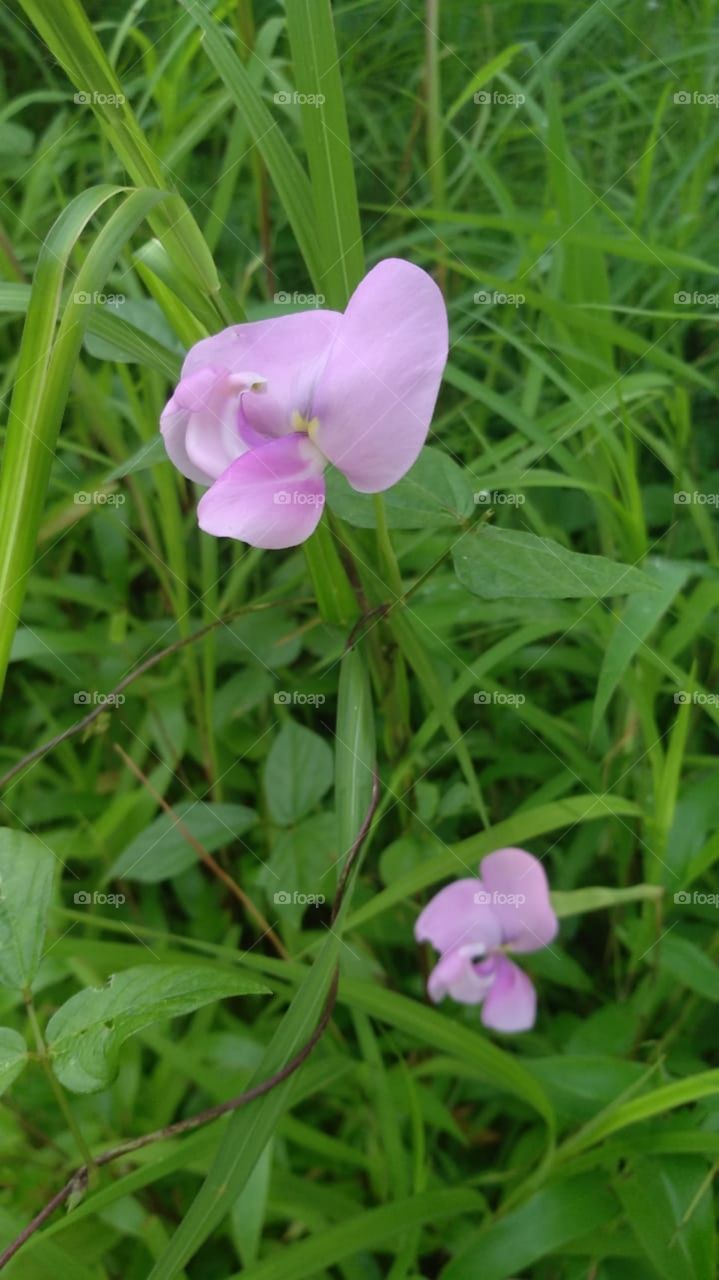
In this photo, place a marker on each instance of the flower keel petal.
(511, 1002)
(271, 497)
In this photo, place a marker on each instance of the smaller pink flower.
(262, 409)
(473, 923)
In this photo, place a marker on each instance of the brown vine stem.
(138, 671)
(77, 1184)
(210, 862)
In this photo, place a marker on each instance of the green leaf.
(689, 965)
(71, 39)
(639, 617)
(249, 1129)
(84, 1036)
(285, 169)
(298, 866)
(318, 79)
(44, 373)
(677, 1094)
(551, 1219)
(462, 858)
(657, 1196)
(482, 77)
(435, 493)
(298, 772)
(499, 563)
(492, 1065)
(377, 1228)
(336, 599)
(27, 869)
(598, 898)
(355, 748)
(405, 627)
(248, 1212)
(162, 851)
(13, 1056)
(580, 1085)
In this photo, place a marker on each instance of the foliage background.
(501, 705)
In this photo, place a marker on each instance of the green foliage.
(85, 1034)
(27, 871)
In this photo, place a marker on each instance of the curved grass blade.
(324, 123)
(285, 169)
(366, 1231)
(43, 379)
(70, 38)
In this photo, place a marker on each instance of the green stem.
(57, 1088)
(387, 557)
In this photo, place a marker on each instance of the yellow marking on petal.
(300, 423)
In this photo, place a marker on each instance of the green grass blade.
(67, 32)
(43, 381)
(324, 121)
(285, 169)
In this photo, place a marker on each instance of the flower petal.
(200, 422)
(288, 351)
(376, 396)
(520, 898)
(270, 497)
(511, 1002)
(454, 975)
(190, 396)
(454, 918)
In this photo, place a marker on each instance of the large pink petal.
(270, 497)
(520, 898)
(289, 352)
(511, 1002)
(457, 917)
(376, 396)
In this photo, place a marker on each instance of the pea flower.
(262, 408)
(474, 922)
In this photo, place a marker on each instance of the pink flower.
(472, 923)
(262, 408)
